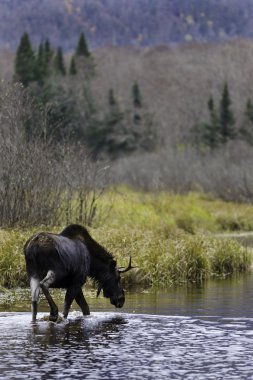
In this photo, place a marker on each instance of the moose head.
(111, 284)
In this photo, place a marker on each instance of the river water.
(194, 332)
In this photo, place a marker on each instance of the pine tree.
(141, 122)
(108, 137)
(246, 131)
(82, 47)
(136, 95)
(111, 98)
(249, 110)
(226, 116)
(137, 103)
(59, 62)
(48, 51)
(116, 138)
(25, 61)
(73, 69)
(211, 135)
(40, 66)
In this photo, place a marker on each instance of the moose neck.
(98, 270)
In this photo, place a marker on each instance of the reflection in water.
(230, 297)
(69, 348)
(203, 332)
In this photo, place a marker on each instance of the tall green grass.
(192, 213)
(181, 258)
(169, 237)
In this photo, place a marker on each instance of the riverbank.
(171, 238)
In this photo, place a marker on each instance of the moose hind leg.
(45, 283)
(81, 301)
(35, 292)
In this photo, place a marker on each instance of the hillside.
(124, 22)
(175, 81)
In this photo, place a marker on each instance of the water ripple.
(116, 346)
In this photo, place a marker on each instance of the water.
(196, 332)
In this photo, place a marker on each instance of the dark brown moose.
(65, 260)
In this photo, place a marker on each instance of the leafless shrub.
(226, 173)
(83, 182)
(28, 190)
(42, 182)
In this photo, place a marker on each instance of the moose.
(65, 260)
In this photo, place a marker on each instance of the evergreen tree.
(40, 66)
(108, 136)
(142, 128)
(48, 52)
(226, 116)
(246, 131)
(137, 103)
(25, 61)
(84, 61)
(82, 47)
(73, 69)
(111, 98)
(117, 136)
(136, 95)
(211, 133)
(210, 106)
(59, 62)
(249, 111)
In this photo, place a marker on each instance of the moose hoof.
(53, 317)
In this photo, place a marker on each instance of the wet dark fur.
(72, 251)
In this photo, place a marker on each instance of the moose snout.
(118, 301)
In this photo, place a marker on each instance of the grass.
(170, 238)
(193, 213)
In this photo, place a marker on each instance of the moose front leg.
(69, 298)
(81, 301)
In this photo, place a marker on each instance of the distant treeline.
(64, 92)
(62, 88)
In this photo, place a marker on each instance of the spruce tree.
(141, 122)
(114, 127)
(246, 131)
(40, 66)
(226, 116)
(249, 110)
(25, 61)
(59, 62)
(84, 61)
(111, 98)
(73, 69)
(136, 95)
(82, 47)
(48, 51)
(211, 135)
(137, 103)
